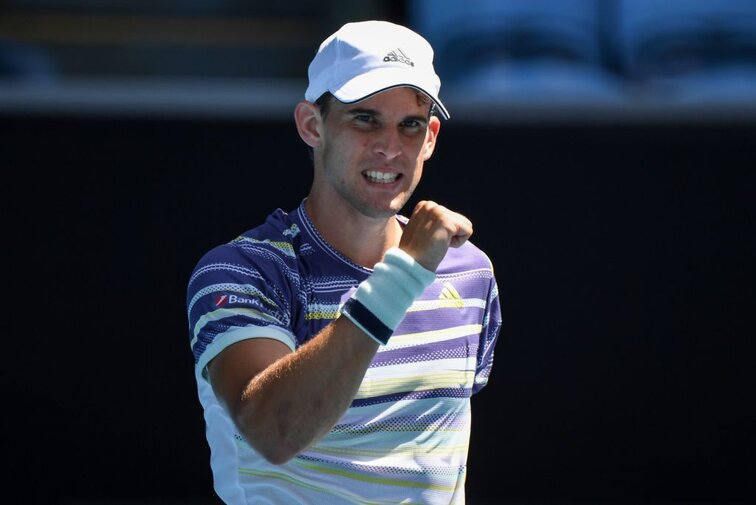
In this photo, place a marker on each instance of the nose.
(388, 144)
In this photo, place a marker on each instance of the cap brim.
(368, 84)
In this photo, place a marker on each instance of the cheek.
(421, 151)
(417, 174)
(351, 146)
(418, 147)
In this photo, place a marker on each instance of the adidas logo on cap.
(393, 56)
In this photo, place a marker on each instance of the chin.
(380, 213)
(381, 210)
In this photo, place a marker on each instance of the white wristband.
(381, 301)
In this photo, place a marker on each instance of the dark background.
(624, 254)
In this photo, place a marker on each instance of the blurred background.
(604, 149)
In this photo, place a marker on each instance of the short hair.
(324, 103)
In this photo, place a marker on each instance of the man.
(337, 346)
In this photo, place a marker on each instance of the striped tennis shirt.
(405, 436)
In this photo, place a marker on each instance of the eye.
(364, 118)
(412, 124)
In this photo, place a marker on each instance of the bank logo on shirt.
(222, 300)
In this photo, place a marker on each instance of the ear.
(434, 125)
(308, 120)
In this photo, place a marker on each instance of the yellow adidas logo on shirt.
(450, 293)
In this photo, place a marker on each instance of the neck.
(362, 239)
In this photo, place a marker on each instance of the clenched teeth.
(383, 177)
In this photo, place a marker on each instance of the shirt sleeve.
(235, 294)
(488, 337)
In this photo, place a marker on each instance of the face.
(370, 154)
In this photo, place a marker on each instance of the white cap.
(367, 57)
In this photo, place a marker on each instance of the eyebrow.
(356, 111)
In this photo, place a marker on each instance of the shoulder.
(276, 235)
(465, 258)
(268, 249)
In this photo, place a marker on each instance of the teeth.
(384, 177)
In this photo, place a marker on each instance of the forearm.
(300, 397)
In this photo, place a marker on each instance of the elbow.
(271, 444)
(275, 451)
(277, 455)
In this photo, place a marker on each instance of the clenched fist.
(431, 230)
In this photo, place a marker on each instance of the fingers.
(431, 230)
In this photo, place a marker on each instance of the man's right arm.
(283, 401)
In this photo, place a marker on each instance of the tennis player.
(338, 344)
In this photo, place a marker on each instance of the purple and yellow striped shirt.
(405, 437)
